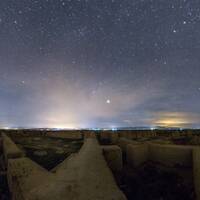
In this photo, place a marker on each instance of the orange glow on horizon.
(174, 119)
(171, 122)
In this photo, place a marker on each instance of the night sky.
(99, 63)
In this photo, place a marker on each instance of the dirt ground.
(47, 152)
(149, 182)
(152, 183)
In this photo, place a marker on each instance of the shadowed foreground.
(83, 176)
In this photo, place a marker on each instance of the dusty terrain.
(150, 181)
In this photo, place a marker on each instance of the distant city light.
(62, 127)
(96, 129)
(6, 127)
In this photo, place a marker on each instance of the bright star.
(108, 101)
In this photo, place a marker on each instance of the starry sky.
(99, 63)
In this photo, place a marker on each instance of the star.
(108, 101)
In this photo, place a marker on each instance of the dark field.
(48, 152)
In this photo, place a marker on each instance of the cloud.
(65, 103)
(175, 119)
